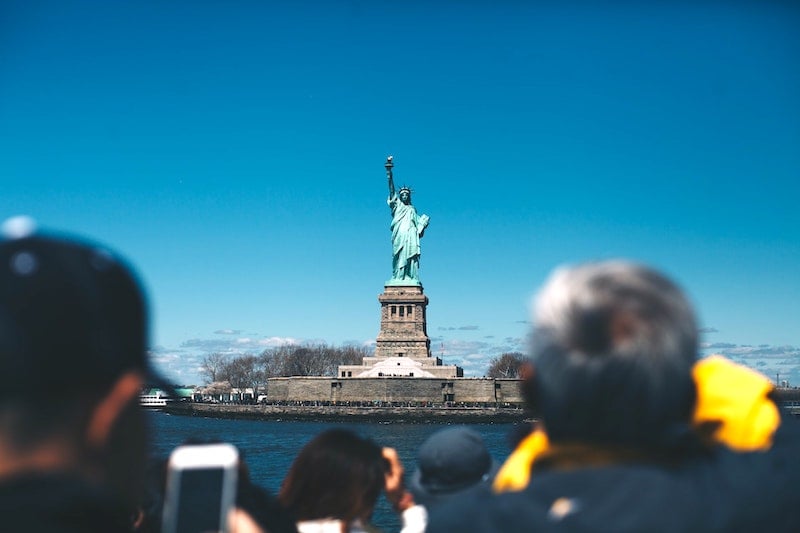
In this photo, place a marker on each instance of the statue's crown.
(404, 188)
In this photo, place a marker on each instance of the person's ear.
(528, 387)
(105, 413)
(526, 371)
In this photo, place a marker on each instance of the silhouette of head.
(613, 348)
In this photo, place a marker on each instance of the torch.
(389, 164)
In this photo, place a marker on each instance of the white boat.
(154, 399)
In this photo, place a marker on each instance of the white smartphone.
(201, 488)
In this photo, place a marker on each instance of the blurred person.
(451, 460)
(146, 517)
(73, 341)
(335, 481)
(257, 510)
(73, 352)
(636, 434)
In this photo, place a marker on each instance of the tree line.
(252, 371)
(507, 365)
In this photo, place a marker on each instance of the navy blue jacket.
(717, 491)
(59, 503)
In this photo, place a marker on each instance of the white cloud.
(474, 356)
(277, 341)
(778, 363)
(183, 364)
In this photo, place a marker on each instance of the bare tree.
(212, 365)
(275, 361)
(245, 372)
(305, 361)
(506, 365)
(309, 359)
(351, 354)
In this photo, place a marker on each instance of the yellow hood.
(727, 393)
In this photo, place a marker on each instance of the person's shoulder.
(787, 435)
(59, 502)
(484, 511)
(575, 499)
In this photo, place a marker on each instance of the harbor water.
(269, 447)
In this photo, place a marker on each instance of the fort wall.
(394, 389)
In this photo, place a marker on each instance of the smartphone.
(200, 489)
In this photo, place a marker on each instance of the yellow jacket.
(727, 393)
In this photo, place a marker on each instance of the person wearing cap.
(73, 341)
(450, 461)
(634, 433)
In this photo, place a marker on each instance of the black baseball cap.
(73, 317)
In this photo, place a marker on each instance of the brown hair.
(338, 474)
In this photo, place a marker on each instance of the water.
(269, 447)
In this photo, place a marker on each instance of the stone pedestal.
(403, 326)
(403, 348)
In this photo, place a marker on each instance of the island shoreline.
(334, 413)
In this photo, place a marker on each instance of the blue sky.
(233, 151)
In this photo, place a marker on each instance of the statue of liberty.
(407, 229)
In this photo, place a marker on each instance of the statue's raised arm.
(389, 164)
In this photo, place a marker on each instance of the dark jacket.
(717, 491)
(58, 503)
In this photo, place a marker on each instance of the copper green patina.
(407, 229)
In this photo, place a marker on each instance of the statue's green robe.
(406, 230)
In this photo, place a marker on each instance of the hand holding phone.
(201, 488)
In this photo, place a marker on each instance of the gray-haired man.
(636, 434)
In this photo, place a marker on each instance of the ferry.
(154, 399)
